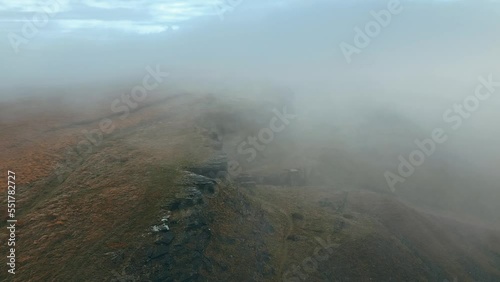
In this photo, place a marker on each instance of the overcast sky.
(140, 17)
(296, 40)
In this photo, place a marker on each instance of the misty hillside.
(250, 140)
(293, 213)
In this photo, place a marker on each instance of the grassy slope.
(78, 230)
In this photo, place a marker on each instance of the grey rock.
(165, 238)
(215, 168)
(158, 251)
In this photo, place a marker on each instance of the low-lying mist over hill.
(351, 119)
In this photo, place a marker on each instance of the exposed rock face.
(215, 168)
(165, 238)
(179, 252)
(200, 182)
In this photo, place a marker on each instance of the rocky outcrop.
(215, 168)
(185, 231)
